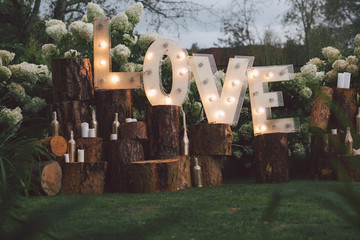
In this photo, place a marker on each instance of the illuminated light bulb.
(152, 92)
(231, 100)
(220, 114)
(149, 55)
(181, 55)
(102, 62)
(183, 71)
(260, 110)
(269, 75)
(212, 98)
(235, 83)
(254, 73)
(262, 128)
(102, 44)
(115, 79)
(168, 100)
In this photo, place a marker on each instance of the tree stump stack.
(209, 143)
(332, 108)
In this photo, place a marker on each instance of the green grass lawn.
(307, 210)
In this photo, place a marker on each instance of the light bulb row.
(212, 98)
(255, 73)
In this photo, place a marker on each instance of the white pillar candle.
(133, 120)
(92, 132)
(81, 157)
(334, 131)
(347, 77)
(113, 137)
(67, 159)
(340, 81)
(127, 120)
(84, 130)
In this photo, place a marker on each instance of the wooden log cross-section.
(56, 146)
(320, 112)
(154, 176)
(49, 174)
(72, 79)
(271, 156)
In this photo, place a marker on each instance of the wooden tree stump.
(163, 126)
(210, 139)
(210, 170)
(122, 153)
(56, 145)
(271, 156)
(344, 109)
(154, 176)
(70, 116)
(320, 112)
(83, 178)
(325, 149)
(50, 176)
(349, 168)
(133, 131)
(107, 104)
(184, 172)
(92, 147)
(72, 79)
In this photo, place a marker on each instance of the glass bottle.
(186, 143)
(358, 121)
(94, 123)
(348, 142)
(116, 124)
(71, 147)
(197, 174)
(54, 129)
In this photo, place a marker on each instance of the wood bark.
(325, 149)
(154, 176)
(70, 116)
(210, 170)
(133, 130)
(56, 145)
(83, 178)
(92, 147)
(184, 180)
(271, 157)
(49, 176)
(344, 109)
(122, 153)
(72, 79)
(210, 139)
(163, 126)
(321, 110)
(349, 168)
(107, 104)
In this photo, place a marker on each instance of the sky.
(267, 15)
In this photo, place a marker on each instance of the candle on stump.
(113, 137)
(340, 80)
(334, 131)
(66, 157)
(347, 78)
(127, 120)
(81, 157)
(84, 130)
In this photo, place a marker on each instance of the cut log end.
(56, 145)
(51, 177)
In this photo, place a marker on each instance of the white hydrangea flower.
(331, 75)
(131, 67)
(43, 72)
(94, 11)
(298, 150)
(309, 70)
(316, 61)
(134, 13)
(1, 61)
(331, 53)
(5, 73)
(17, 91)
(48, 52)
(72, 53)
(320, 76)
(10, 117)
(146, 39)
(306, 93)
(25, 72)
(120, 23)
(54, 22)
(57, 32)
(82, 30)
(352, 60)
(120, 53)
(130, 39)
(84, 18)
(6, 57)
(339, 65)
(357, 51)
(35, 105)
(353, 69)
(219, 76)
(357, 40)
(75, 28)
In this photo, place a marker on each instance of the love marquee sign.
(222, 104)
